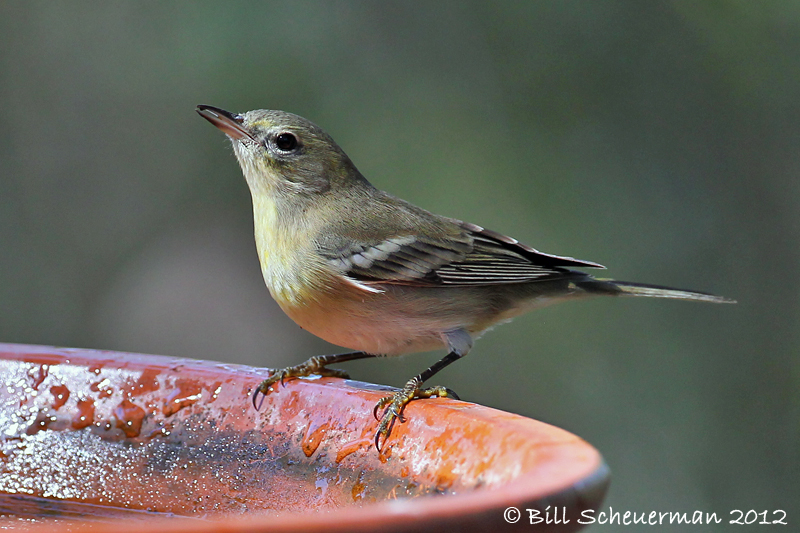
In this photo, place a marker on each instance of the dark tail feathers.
(627, 288)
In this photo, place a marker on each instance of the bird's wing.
(497, 258)
(462, 254)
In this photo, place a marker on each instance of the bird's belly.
(370, 328)
(405, 319)
(386, 323)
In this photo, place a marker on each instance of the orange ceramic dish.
(110, 439)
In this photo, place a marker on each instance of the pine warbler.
(368, 271)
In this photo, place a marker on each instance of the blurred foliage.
(661, 139)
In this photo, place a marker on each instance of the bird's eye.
(286, 142)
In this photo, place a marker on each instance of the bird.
(368, 271)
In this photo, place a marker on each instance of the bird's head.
(280, 152)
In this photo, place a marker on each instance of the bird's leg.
(393, 405)
(315, 366)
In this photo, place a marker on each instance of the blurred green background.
(661, 139)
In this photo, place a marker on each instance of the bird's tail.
(627, 288)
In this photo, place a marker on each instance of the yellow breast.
(292, 271)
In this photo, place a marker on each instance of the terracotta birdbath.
(118, 442)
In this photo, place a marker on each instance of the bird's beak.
(230, 124)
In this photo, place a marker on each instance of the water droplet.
(41, 423)
(178, 399)
(61, 395)
(313, 438)
(38, 375)
(85, 415)
(352, 447)
(129, 418)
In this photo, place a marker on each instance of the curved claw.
(392, 412)
(262, 391)
(394, 405)
(452, 394)
(265, 386)
(397, 414)
(381, 405)
(314, 366)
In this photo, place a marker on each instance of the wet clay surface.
(85, 432)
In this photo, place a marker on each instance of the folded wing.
(466, 255)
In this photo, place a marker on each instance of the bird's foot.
(392, 406)
(313, 367)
